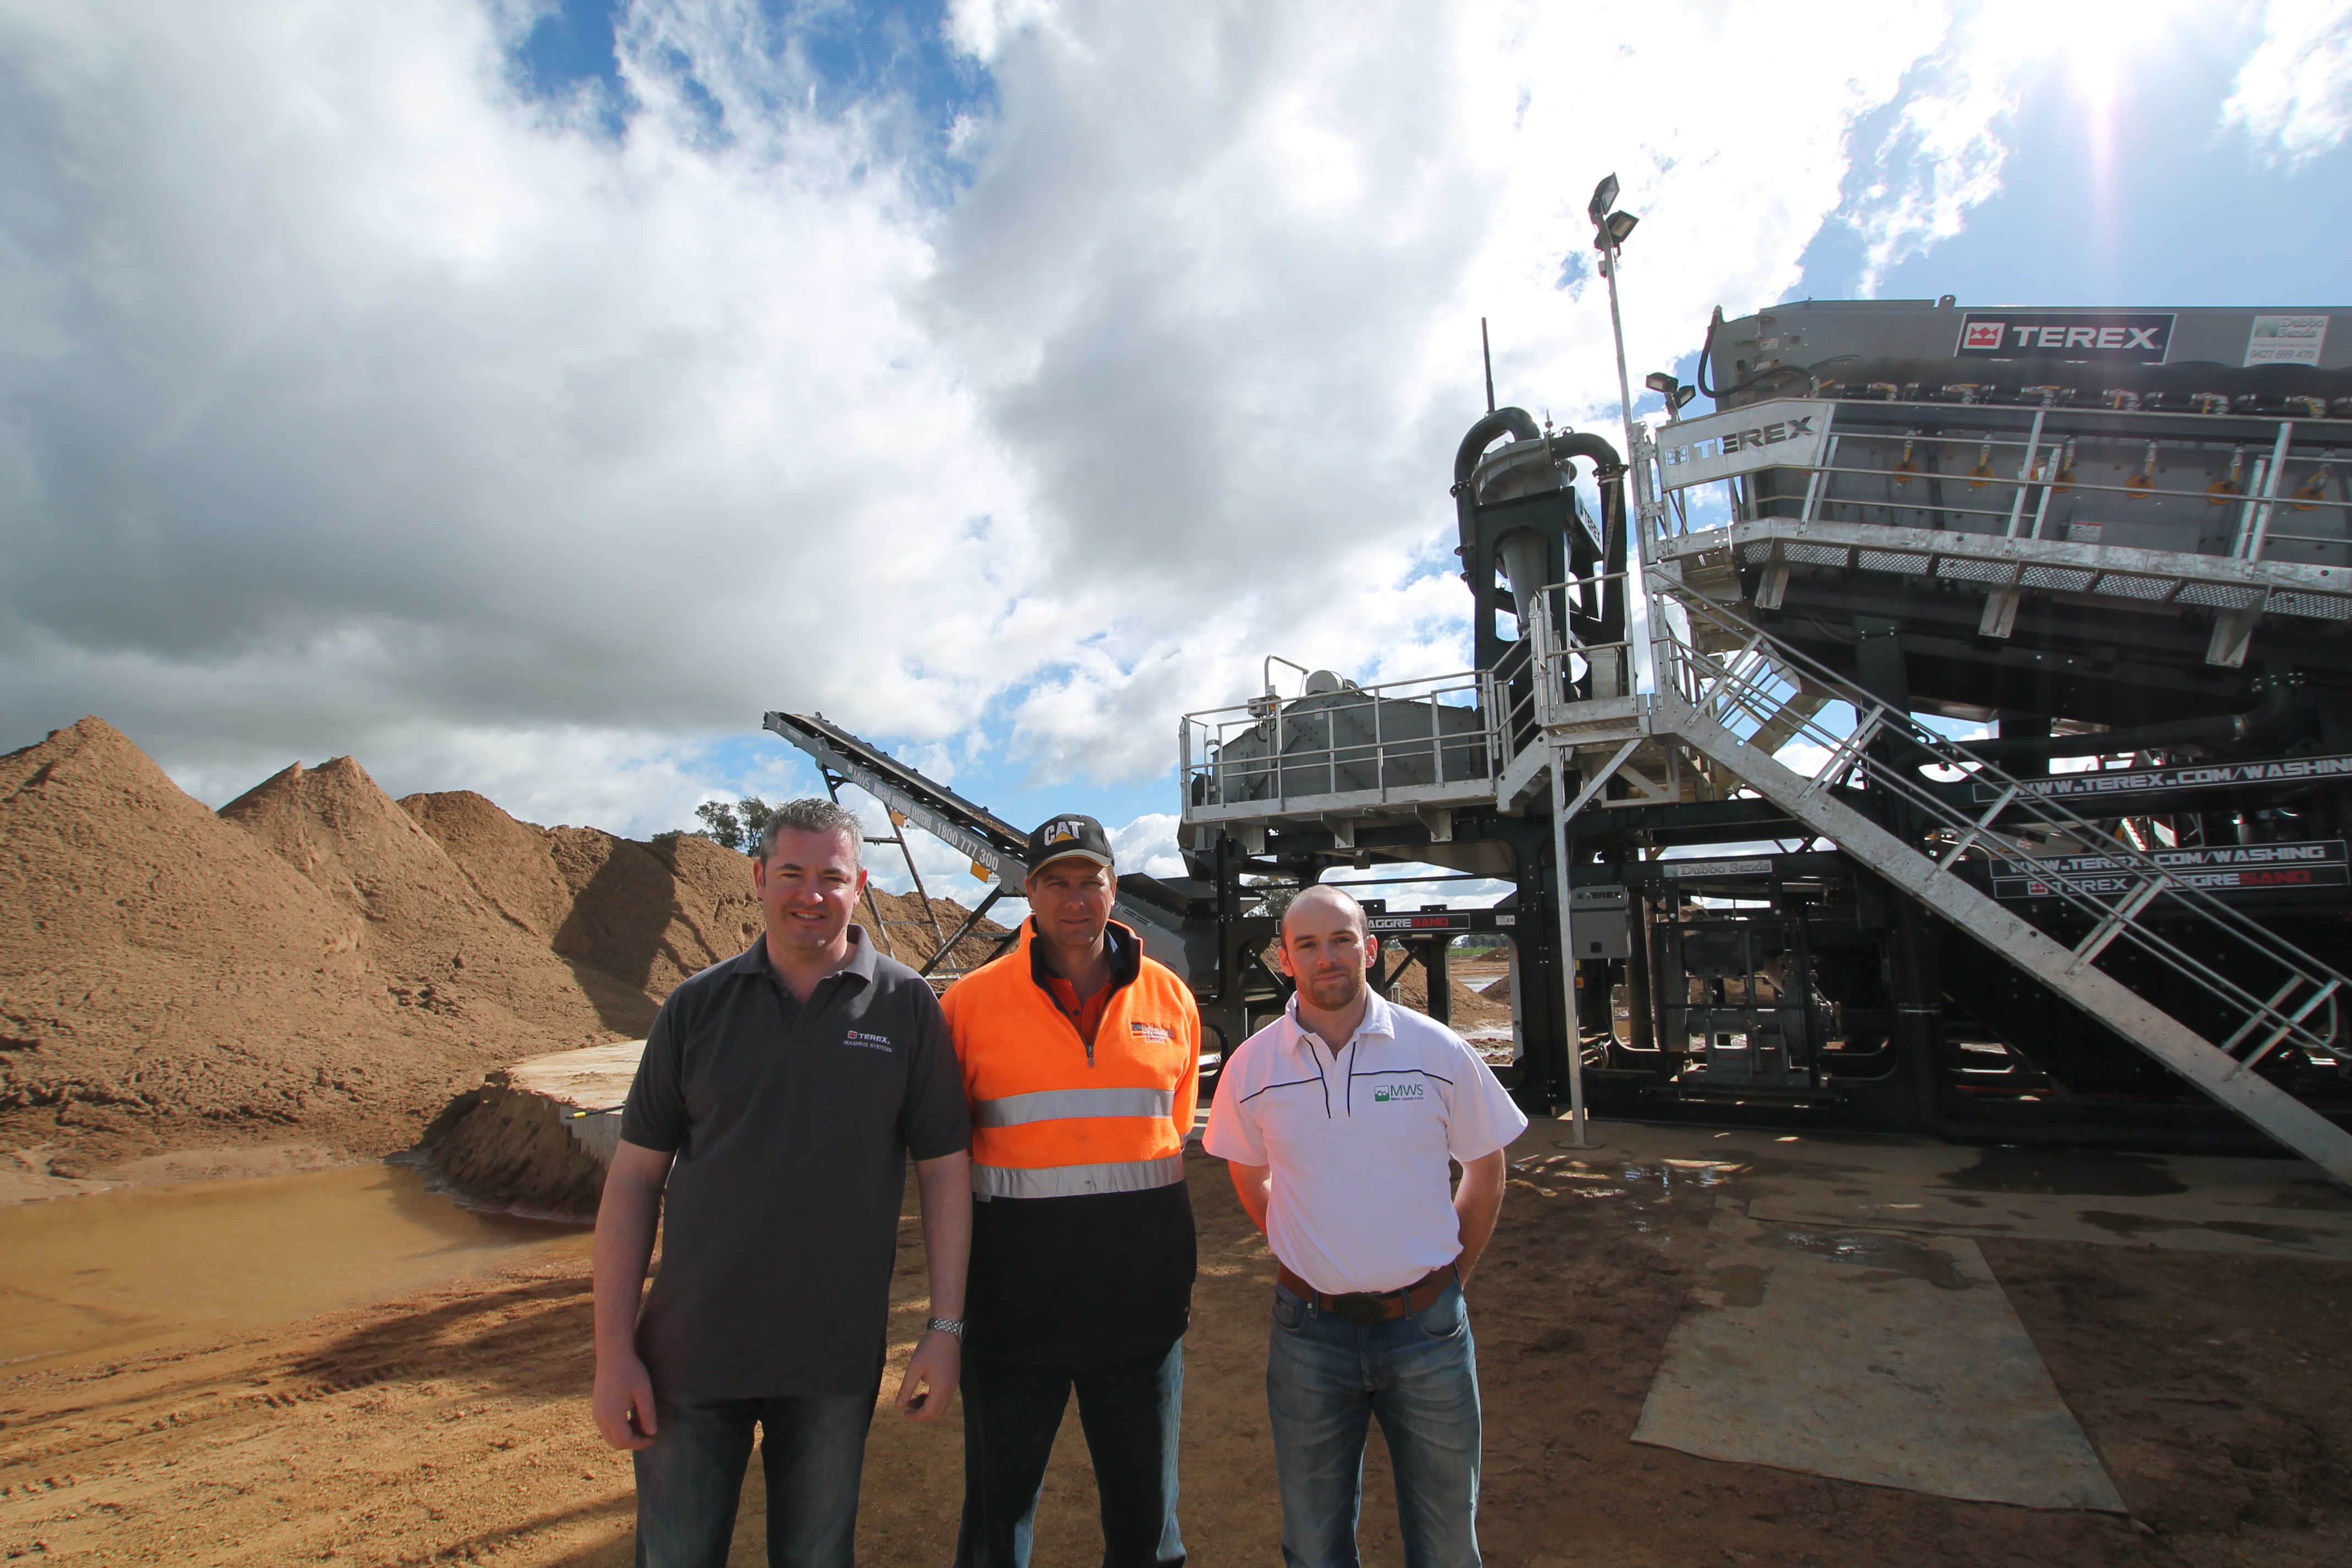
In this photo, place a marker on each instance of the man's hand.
(1476, 1201)
(1253, 1184)
(934, 1368)
(623, 1401)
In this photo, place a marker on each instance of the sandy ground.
(453, 1426)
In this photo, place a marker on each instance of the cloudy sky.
(524, 396)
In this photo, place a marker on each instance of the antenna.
(1488, 351)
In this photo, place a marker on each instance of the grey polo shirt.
(791, 1125)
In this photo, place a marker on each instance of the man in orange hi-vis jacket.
(1080, 1061)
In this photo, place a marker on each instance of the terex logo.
(2116, 338)
(1751, 440)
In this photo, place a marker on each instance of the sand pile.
(429, 931)
(167, 980)
(647, 914)
(1471, 1010)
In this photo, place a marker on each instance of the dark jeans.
(1326, 1380)
(690, 1480)
(1131, 1412)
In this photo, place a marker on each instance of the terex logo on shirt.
(1384, 1093)
(1143, 1031)
(866, 1042)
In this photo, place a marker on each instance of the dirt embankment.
(316, 967)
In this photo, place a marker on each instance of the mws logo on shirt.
(864, 1041)
(1385, 1092)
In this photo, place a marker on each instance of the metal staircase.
(1730, 692)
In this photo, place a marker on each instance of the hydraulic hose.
(1706, 353)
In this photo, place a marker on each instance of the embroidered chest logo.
(1143, 1031)
(1383, 1093)
(866, 1042)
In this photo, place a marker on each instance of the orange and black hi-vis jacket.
(1083, 1250)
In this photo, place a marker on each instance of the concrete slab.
(1869, 1356)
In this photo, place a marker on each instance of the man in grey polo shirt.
(768, 1132)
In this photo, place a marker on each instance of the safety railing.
(2293, 488)
(1759, 684)
(1565, 662)
(1404, 742)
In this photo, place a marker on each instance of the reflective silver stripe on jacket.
(1076, 1181)
(1058, 1104)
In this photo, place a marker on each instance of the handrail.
(1204, 735)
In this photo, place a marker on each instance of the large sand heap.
(440, 945)
(166, 980)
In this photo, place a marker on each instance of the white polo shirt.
(1358, 1142)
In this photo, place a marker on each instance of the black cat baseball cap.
(1067, 837)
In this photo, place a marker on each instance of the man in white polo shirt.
(1341, 1120)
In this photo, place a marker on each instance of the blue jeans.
(1131, 1412)
(689, 1481)
(1325, 1379)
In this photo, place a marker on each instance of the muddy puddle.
(90, 1278)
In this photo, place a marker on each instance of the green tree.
(735, 824)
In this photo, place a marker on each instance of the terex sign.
(2109, 337)
(1782, 433)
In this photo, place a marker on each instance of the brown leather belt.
(1366, 1308)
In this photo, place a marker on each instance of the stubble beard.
(1347, 984)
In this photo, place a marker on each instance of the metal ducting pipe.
(1502, 422)
(1609, 478)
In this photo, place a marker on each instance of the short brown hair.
(814, 814)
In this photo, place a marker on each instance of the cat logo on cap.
(1063, 832)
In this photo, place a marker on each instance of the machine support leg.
(1575, 1029)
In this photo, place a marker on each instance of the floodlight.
(1619, 224)
(1662, 382)
(1604, 197)
(1682, 395)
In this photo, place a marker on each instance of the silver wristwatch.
(945, 1326)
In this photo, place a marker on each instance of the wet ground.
(141, 1267)
(452, 1421)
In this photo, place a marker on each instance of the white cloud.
(2293, 94)
(355, 403)
(1147, 845)
(1943, 153)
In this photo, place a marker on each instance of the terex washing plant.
(1711, 739)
